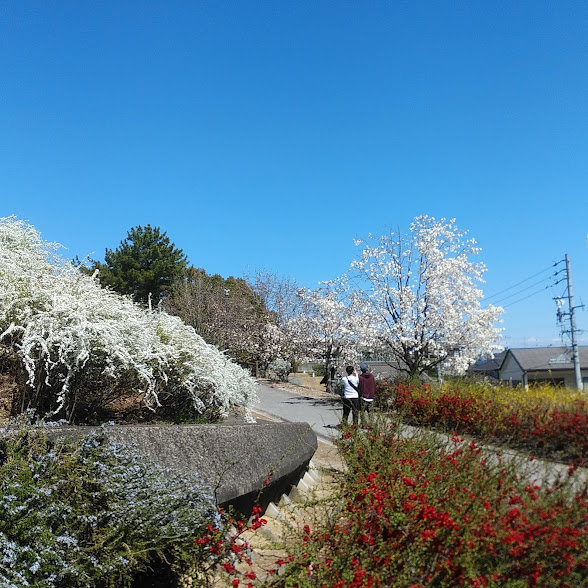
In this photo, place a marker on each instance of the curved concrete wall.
(235, 460)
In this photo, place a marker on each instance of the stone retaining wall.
(235, 460)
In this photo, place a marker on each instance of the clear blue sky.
(271, 134)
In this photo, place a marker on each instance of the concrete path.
(322, 414)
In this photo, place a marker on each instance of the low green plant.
(280, 368)
(338, 387)
(92, 513)
(319, 369)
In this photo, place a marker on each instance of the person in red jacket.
(367, 391)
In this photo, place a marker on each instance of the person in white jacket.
(351, 395)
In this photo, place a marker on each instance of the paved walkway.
(322, 413)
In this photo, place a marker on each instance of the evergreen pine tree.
(146, 262)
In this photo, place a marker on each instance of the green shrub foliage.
(281, 368)
(89, 513)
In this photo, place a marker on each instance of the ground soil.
(301, 383)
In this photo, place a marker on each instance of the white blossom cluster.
(73, 335)
(330, 324)
(423, 299)
(270, 344)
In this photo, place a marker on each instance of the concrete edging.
(244, 464)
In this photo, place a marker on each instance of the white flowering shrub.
(81, 346)
(280, 368)
(89, 513)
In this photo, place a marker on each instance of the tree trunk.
(329, 369)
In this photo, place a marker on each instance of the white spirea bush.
(281, 368)
(75, 337)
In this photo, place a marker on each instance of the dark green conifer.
(146, 262)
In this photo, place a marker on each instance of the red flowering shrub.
(221, 550)
(543, 427)
(418, 512)
(564, 429)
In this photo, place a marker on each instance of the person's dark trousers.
(366, 409)
(351, 405)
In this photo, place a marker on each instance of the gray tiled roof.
(383, 370)
(548, 358)
(489, 365)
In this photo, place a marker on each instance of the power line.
(528, 296)
(525, 280)
(528, 288)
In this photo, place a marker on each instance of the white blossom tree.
(275, 339)
(329, 325)
(267, 342)
(422, 297)
(81, 346)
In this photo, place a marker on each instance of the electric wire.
(525, 280)
(537, 292)
(534, 285)
(528, 296)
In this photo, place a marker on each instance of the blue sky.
(272, 134)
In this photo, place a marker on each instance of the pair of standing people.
(358, 393)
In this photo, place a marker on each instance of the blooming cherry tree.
(422, 297)
(277, 336)
(267, 342)
(328, 327)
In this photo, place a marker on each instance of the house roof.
(383, 370)
(548, 358)
(488, 365)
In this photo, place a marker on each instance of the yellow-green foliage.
(538, 395)
(547, 419)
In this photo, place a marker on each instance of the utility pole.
(575, 355)
(227, 294)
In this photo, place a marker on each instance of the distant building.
(553, 365)
(383, 370)
(488, 368)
